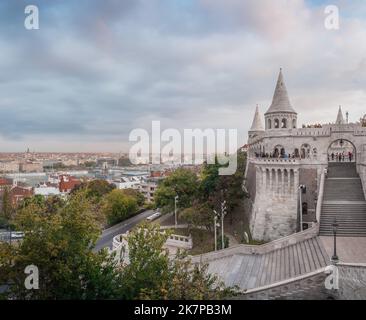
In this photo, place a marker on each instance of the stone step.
(343, 185)
(251, 271)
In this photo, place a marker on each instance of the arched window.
(279, 151)
(283, 153)
(294, 123)
(269, 124)
(284, 123)
(276, 123)
(296, 153)
(305, 151)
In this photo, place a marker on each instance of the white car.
(154, 216)
(17, 235)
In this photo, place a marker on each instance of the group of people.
(275, 155)
(340, 156)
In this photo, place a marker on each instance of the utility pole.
(223, 213)
(175, 211)
(215, 226)
(9, 228)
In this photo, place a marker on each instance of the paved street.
(122, 227)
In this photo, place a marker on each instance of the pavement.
(106, 238)
(349, 249)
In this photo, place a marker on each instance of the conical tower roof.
(280, 101)
(340, 119)
(257, 122)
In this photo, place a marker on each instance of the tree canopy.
(182, 183)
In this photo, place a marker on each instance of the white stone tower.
(340, 119)
(257, 126)
(280, 114)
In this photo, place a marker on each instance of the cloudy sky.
(95, 70)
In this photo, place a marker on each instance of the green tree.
(95, 189)
(140, 199)
(182, 183)
(60, 245)
(117, 206)
(215, 188)
(151, 274)
(200, 214)
(7, 209)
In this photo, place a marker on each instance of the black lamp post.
(335, 257)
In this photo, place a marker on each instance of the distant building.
(148, 187)
(67, 183)
(31, 167)
(5, 183)
(47, 189)
(106, 163)
(127, 183)
(9, 166)
(19, 193)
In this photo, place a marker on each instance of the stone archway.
(342, 150)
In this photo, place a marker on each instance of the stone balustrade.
(309, 286)
(351, 286)
(259, 249)
(178, 241)
(120, 244)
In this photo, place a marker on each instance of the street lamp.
(215, 226)
(175, 211)
(335, 257)
(302, 189)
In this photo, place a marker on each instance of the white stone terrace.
(325, 131)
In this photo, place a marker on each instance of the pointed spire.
(340, 119)
(257, 123)
(280, 101)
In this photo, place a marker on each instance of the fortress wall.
(274, 213)
(251, 180)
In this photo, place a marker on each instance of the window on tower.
(276, 123)
(284, 123)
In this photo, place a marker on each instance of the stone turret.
(340, 119)
(280, 114)
(257, 125)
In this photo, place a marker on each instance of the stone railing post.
(320, 196)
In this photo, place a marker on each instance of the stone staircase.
(344, 200)
(248, 271)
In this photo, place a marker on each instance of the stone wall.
(351, 283)
(309, 178)
(308, 287)
(274, 212)
(250, 182)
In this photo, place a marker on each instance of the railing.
(275, 160)
(287, 287)
(320, 196)
(183, 242)
(259, 249)
(174, 240)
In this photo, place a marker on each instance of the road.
(107, 235)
